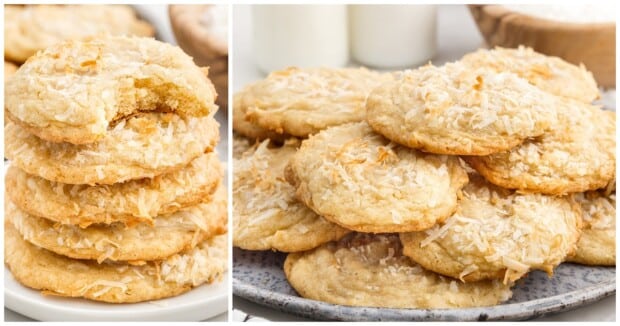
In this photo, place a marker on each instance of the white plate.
(198, 304)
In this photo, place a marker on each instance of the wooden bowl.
(592, 44)
(206, 49)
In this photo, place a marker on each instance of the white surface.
(457, 35)
(198, 304)
(300, 35)
(392, 36)
(207, 302)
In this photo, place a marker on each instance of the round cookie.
(28, 29)
(169, 234)
(9, 70)
(362, 181)
(246, 128)
(129, 202)
(459, 111)
(597, 245)
(371, 271)
(576, 155)
(266, 215)
(143, 146)
(76, 91)
(498, 234)
(551, 74)
(113, 282)
(304, 101)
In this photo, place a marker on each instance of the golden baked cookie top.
(128, 202)
(76, 90)
(597, 245)
(170, 234)
(576, 155)
(370, 270)
(362, 181)
(551, 74)
(247, 128)
(142, 146)
(30, 28)
(459, 111)
(498, 234)
(266, 215)
(303, 101)
(599, 210)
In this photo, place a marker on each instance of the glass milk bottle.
(393, 36)
(300, 35)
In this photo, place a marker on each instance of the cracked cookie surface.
(143, 146)
(76, 91)
(455, 110)
(370, 270)
(356, 178)
(266, 215)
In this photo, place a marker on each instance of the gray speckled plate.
(258, 277)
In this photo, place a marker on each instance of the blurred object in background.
(30, 28)
(577, 33)
(202, 32)
(393, 36)
(300, 35)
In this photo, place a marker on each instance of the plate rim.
(512, 311)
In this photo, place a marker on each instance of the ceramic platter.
(258, 277)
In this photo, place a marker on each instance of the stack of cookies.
(439, 187)
(114, 189)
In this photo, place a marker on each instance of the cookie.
(458, 111)
(143, 146)
(371, 271)
(169, 234)
(266, 215)
(551, 74)
(576, 155)
(28, 29)
(304, 101)
(130, 202)
(246, 128)
(498, 234)
(597, 245)
(241, 145)
(113, 282)
(9, 70)
(76, 91)
(363, 182)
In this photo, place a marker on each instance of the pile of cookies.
(438, 187)
(114, 189)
